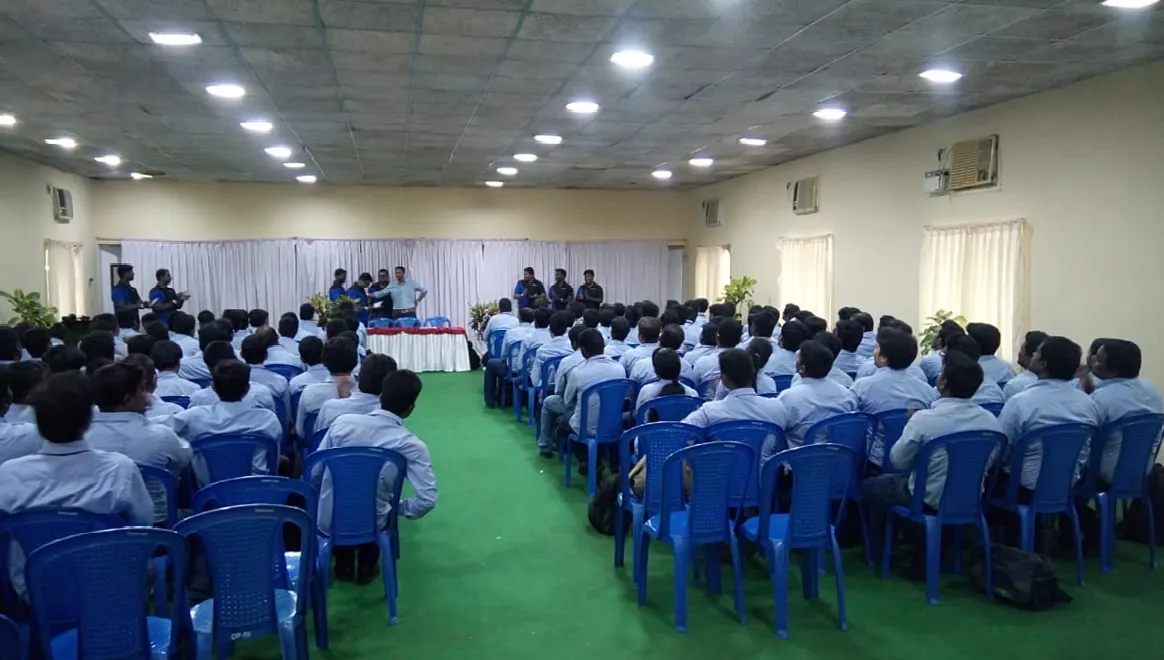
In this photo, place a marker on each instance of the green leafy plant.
(27, 307)
(324, 306)
(933, 324)
(738, 291)
(479, 315)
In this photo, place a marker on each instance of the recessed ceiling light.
(226, 91)
(525, 158)
(138, 176)
(507, 171)
(633, 59)
(830, 114)
(583, 107)
(495, 184)
(64, 143)
(1129, 4)
(753, 142)
(175, 39)
(306, 178)
(548, 139)
(257, 126)
(111, 160)
(661, 174)
(7, 120)
(294, 166)
(700, 162)
(278, 152)
(940, 75)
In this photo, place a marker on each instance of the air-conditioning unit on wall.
(62, 201)
(711, 213)
(804, 195)
(974, 164)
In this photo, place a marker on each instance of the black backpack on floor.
(602, 506)
(1022, 578)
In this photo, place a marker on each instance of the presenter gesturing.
(406, 294)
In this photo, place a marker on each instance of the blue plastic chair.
(104, 574)
(890, 424)
(512, 357)
(994, 408)
(287, 371)
(407, 322)
(755, 434)
(549, 371)
(771, 395)
(968, 457)
(685, 381)
(706, 389)
(1139, 438)
(201, 382)
(608, 427)
(11, 641)
(281, 411)
(494, 343)
(437, 322)
(850, 430)
(381, 322)
(704, 522)
(160, 481)
(355, 481)
(183, 401)
(228, 456)
(295, 397)
(782, 382)
(818, 472)
(656, 441)
(1059, 446)
(520, 382)
(672, 408)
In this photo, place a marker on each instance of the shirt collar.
(601, 357)
(317, 368)
(235, 405)
(649, 346)
(119, 417)
(388, 415)
(363, 396)
(953, 402)
(523, 324)
(1052, 383)
(168, 375)
(740, 391)
(63, 448)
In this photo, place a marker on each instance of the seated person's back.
(258, 396)
(668, 366)
(16, 439)
(366, 398)
(167, 359)
(988, 391)
(340, 359)
(989, 338)
(816, 398)
(892, 387)
(311, 354)
(1123, 395)
(783, 360)
(737, 375)
(706, 368)
(671, 337)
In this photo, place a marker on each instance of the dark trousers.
(494, 382)
(404, 313)
(367, 555)
(879, 494)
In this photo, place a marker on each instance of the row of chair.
(411, 322)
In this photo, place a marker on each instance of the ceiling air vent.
(974, 163)
(804, 195)
(711, 213)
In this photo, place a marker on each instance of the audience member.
(817, 397)
(340, 359)
(741, 402)
(649, 329)
(671, 337)
(667, 366)
(783, 361)
(258, 395)
(36, 341)
(288, 331)
(597, 369)
(167, 358)
(499, 365)
(311, 353)
(931, 363)
(868, 337)
(158, 330)
(705, 372)
(557, 347)
(16, 439)
(540, 333)
(502, 320)
(851, 334)
(254, 353)
(182, 329)
(23, 377)
(156, 409)
(60, 359)
(193, 367)
(869, 367)
(892, 387)
(1026, 378)
(205, 317)
(140, 344)
(708, 340)
(307, 325)
(554, 405)
(365, 399)
(988, 391)
(616, 346)
(1124, 394)
(989, 339)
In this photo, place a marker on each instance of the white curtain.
(713, 270)
(806, 273)
(65, 277)
(980, 272)
(628, 271)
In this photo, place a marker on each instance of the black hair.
(340, 272)
(210, 333)
(790, 311)
(253, 350)
(737, 368)
(792, 335)
(649, 309)
(987, 336)
(352, 336)
(36, 341)
(258, 318)
(846, 313)
(373, 372)
(60, 359)
(157, 330)
(217, 352)
(205, 316)
(239, 319)
(962, 375)
(619, 328)
(865, 319)
(816, 359)
(885, 320)
(339, 355)
(103, 325)
(97, 344)
(306, 311)
(123, 270)
(898, 348)
(816, 325)
(505, 305)
(127, 318)
(525, 315)
(575, 335)
(529, 270)
(649, 328)
(948, 328)
(231, 380)
(115, 383)
(606, 316)
(288, 325)
(166, 355)
(830, 341)
(965, 345)
(63, 404)
(148, 318)
(671, 337)
(763, 325)
(334, 327)
(667, 366)
(1032, 340)
(399, 392)
(898, 324)
(311, 350)
(850, 334)
(394, 269)
(1123, 358)
(728, 333)
(542, 317)
(707, 334)
(140, 344)
(560, 270)
(701, 305)
(560, 323)
(58, 331)
(591, 318)
(588, 271)
(689, 313)
(160, 273)
(1061, 357)
(591, 343)
(23, 377)
(760, 349)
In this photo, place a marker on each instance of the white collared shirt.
(157, 409)
(359, 403)
(259, 396)
(312, 400)
(20, 439)
(616, 348)
(1119, 398)
(652, 391)
(20, 413)
(890, 389)
(556, 347)
(813, 400)
(644, 371)
(592, 371)
(194, 368)
(236, 418)
(316, 373)
(171, 384)
(637, 353)
(1045, 403)
(502, 321)
(131, 434)
(742, 404)
(836, 375)
(188, 344)
(782, 363)
(996, 369)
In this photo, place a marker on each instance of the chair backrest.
(228, 456)
(818, 471)
(1060, 447)
(355, 480)
(437, 322)
(686, 381)
(655, 441)
(771, 395)
(107, 575)
(380, 323)
(162, 481)
(495, 341)
(183, 401)
(550, 372)
(755, 434)
(527, 360)
(706, 389)
(201, 382)
(513, 357)
(287, 371)
(281, 410)
(611, 395)
(407, 322)
(848, 429)
(11, 643)
(712, 465)
(672, 408)
(239, 543)
(782, 382)
(994, 408)
(1139, 441)
(931, 380)
(253, 490)
(309, 420)
(967, 455)
(295, 397)
(890, 424)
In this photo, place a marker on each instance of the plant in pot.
(933, 324)
(479, 315)
(738, 291)
(325, 307)
(28, 308)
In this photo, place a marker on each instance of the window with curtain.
(980, 272)
(713, 269)
(806, 273)
(64, 277)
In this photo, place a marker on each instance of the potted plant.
(933, 324)
(28, 308)
(323, 306)
(738, 291)
(479, 315)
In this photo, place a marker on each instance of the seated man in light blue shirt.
(833, 344)
(741, 403)
(701, 307)
(596, 369)
(340, 359)
(497, 367)
(605, 318)
(554, 405)
(540, 334)
(691, 327)
(763, 325)
(1026, 377)
(817, 397)
(617, 346)
(760, 350)
(783, 361)
(891, 388)
(23, 377)
(240, 321)
(502, 320)
(254, 354)
(384, 428)
(953, 413)
(365, 398)
(706, 370)
(1049, 401)
(671, 337)
(1124, 394)
(311, 354)
(307, 325)
(557, 347)
(667, 365)
(182, 333)
(288, 331)
(931, 363)
(259, 396)
(869, 367)
(707, 343)
(194, 367)
(989, 339)
(850, 334)
(648, 332)
(988, 391)
(868, 337)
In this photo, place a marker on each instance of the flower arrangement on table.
(479, 315)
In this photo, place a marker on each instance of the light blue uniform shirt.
(132, 435)
(700, 351)
(996, 369)
(309, 329)
(316, 373)
(868, 368)
(568, 364)
(171, 384)
(706, 368)
(987, 392)
(403, 293)
(1022, 381)
(1045, 403)
(383, 429)
(931, 364)
(312, 400)
(889, 389)
(72, 476)
(279, 355)
(782, 363)
(189, 344)
(259, 396)
(691, 333)
(238, 338)
(158, 409)
(535, 339)
(20, 413)
(848, 361)
(359, 403)
(279, 386)
(554, 348)
(836, 375)
(515, 334)
(503, 321)
(18, 440)
(742, 404)
(194, 367)
(637, 353)
(1119, 398)
(592, 371)
(615, 349)
(644, 371)
(946, 416)
(651, 391)
(815, 399)
(764, 385)
(868, 343)
(236, 418)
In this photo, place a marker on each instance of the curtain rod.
(118, 241)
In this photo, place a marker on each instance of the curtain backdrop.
(66, 278)
(712, 271)
(806, 273)
(279, 275)
(980, 272)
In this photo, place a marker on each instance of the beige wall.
(220, 211)
(1084, 164)
(26, 221)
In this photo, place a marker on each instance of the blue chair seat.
(65, 644)
(777, 527)
(678, 524)
(202, 614)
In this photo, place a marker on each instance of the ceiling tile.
(390, 17)
(370, 41)
(440, 44)
(255, 35)
(1059, 22)
(1000, 49)
(469, 22)
(582, 7)
(562, 27)
(274, 12)
(171, 10)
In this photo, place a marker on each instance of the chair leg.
(986, 557)
(780, 588)
(887, 548)
(864, 532)
(958, 549)
(711, 557)
(810, 573)
(681, 560)
(1078, 544)
(592, 471)
(619, 534)
(842, 612)
(933, 558)
(568, 453)
(388, 568)
(642, 552)
(1027, 522)
(532, 406)
(1151, 531)
(738, 579)
(161, 600)
(1106, 531)
(319, 611)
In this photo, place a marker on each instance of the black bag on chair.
(1022, 578)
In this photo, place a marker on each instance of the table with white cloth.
(422, 349)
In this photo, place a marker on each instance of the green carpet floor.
(508, 565)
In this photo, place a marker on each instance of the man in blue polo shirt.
(337, 286)
(406, 294)
(163, 299)
(528, 289)
(359, 295)
(124, 295)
